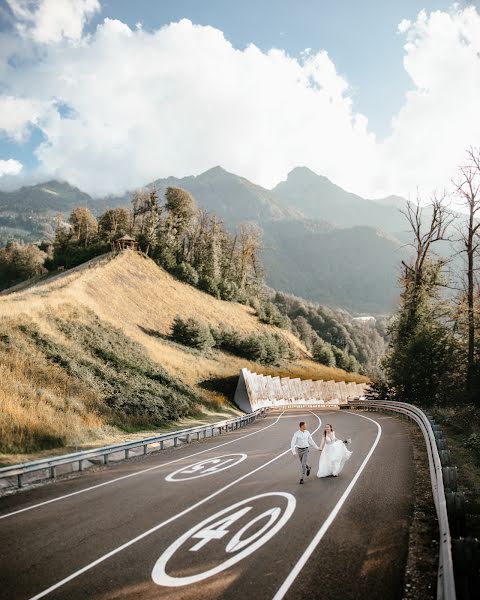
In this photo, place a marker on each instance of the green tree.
(423, 366)
(180, 210)
(151, 222)
(323, 353)
(114, 223)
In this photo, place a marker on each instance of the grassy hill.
(85, 356)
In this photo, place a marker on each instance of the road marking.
(329, 520)
(99, 485)
(143, 535)
(217, 527)
(206, 467)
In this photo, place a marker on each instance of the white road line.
(329, 520)
(99, 485)
(143, 535)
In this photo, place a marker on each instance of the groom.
(300, 443)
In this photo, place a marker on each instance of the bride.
(334, 454)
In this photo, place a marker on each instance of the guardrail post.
(444, 457)
(456, 512)
(161, 444)
(80, 465)
(19, 481)
(466, 558)
(175, 441)
(105, 459)
(450, 478)
(52, 472)
(187, 439)
(198, 435)
(126, 453)
(145, 446)
(441, 444)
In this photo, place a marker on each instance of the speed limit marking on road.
(206, 467)
(224, 538)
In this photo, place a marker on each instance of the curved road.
(222, 518)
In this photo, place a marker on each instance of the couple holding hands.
(334, 453)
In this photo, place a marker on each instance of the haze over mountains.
(320, 242)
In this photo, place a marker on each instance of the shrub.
(209, 285)
(185, 272)
(191, 333)
(74, 255)
(268, 313)
(228, 290)
(473, 442)
(265, 348)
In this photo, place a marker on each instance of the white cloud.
(123, 107)
(10, 167)
(182, 99)
(404, 25)
(440, 117)
(48, 21)
(18, 114)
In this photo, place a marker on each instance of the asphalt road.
(236, 526)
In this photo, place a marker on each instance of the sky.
(380, 96)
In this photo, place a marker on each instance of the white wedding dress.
(333, 457)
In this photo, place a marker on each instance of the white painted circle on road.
(229, 526)
(206, 467)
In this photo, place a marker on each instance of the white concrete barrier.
(256, 391)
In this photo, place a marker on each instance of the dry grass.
(42, 406)
(39, 400)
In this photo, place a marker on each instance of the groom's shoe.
(301, 480)
(308, 471)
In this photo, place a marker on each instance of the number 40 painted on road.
(219, 526)
(219, 529)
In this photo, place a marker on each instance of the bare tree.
(426, 232)
(249, 243)
(467, 189)
(140, 204)
(84, 225)
(424, 236)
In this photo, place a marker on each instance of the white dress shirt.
(302, 439)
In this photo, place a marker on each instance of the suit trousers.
(303, 456)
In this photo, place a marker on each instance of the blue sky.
(84, 125)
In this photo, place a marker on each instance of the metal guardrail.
(446, 578)
(50, 464)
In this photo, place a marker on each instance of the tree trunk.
(470, 312)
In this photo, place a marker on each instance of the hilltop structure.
(126, 241)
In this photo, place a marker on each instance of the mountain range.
(320, 241)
